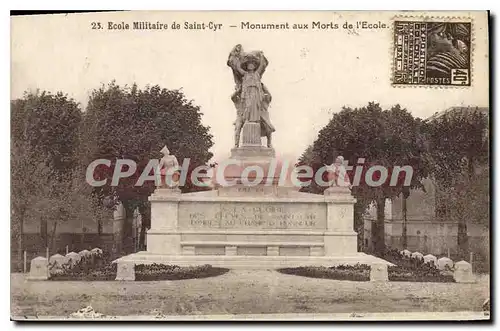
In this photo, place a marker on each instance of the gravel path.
(243, 292)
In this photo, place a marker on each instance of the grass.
(242, 292)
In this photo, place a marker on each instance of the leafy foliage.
(130, 123)
(385, 138)
(424, 274)
(458, 142)
(458, 151)
(93, 268)
(413, 269)
(47, 124)
(47, 186)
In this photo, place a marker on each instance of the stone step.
(246, 243)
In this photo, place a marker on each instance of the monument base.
(251, 262)
(260, 227)
(252, 152)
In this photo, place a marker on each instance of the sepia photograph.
(250, 166)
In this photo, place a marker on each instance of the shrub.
(426, 273)
(101, 268)
(358, 272)
(412, 269)
(151, 272)
(93, 268)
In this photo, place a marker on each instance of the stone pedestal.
(252, 226)
(163, 237)
(340, 238)
(39, 269)
(463, 272)
(254, 153)
(125, 271)
(264, 226)
(378, 272)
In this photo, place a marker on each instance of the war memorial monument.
(256, 226)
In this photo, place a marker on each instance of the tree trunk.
(43, 231)
(462, 239)
(145, 211)
(20, 255)
(358, 225)
(378, 228)
(404, 235)
(53, 237)
(142, 238)
(99, 231)
(99, 226)
(127, 230)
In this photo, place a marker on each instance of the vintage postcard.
(314, 165)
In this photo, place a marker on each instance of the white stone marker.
(73, 258)
(58, 259)
(417, 255)
(125, 271)
(406, 253)
(96, 251)
(39, 269)
(378, 273)
(84, 254)
(430, 258)
(463, 272)
(443, 262)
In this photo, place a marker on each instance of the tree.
(458, 147)
(385, 138)
(130, 123)
(44, 132)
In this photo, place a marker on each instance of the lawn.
(242, 292)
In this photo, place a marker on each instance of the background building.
(429, 231)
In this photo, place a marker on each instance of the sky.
(311, 75)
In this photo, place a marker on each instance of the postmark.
(432, 53)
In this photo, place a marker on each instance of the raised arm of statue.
(234, 61)
(262, 64)
(240, 70)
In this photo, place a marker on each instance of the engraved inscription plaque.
(247, 215)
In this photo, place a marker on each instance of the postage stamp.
(432, 53)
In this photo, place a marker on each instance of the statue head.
(339, 160)
(250, 63)
(250, 66)
(165, 150)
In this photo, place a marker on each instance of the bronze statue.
(251, 97)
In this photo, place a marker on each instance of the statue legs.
(268, 136)
(237, 132)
